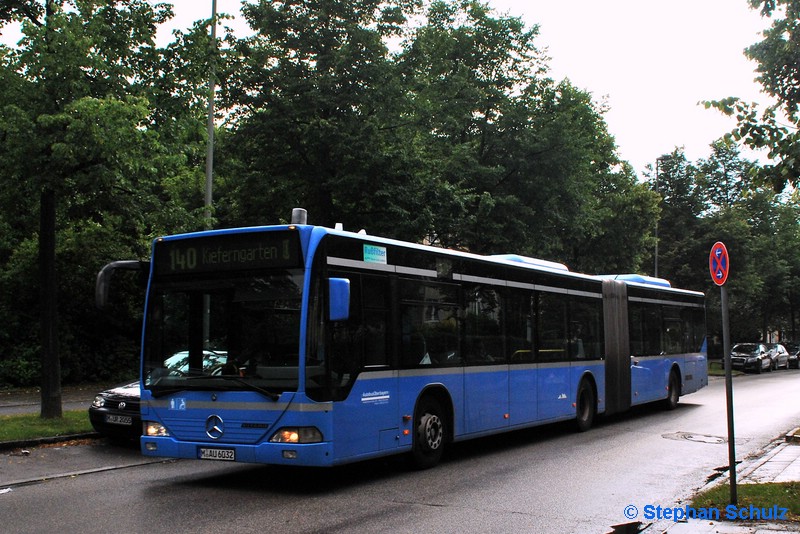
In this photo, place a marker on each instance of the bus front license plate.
(216, 454)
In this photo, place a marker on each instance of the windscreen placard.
(229, 252)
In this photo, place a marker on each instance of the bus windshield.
(237, 332)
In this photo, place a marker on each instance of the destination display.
(228, 252)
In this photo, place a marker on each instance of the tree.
(79, 134)
(681, 206)
(457, 139)
(724, 177)
(760, 231)
(463, 66)
(775, 129)
(53, 64)
(519, 159)
(311, 112)
(621, 235)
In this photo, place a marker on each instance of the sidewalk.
(30, 461)
(779, 464)
(23, 466)
(16, 401)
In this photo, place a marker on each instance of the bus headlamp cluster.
(303, 434)
(153, 429)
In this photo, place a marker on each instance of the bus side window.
(586, 328)
(674, 339)
(519, 328)
(645, 329)
(346, 351)
(429, 324)
(483, 342)
(552, 322)
(413, 351)
(362, 340)
(375, 304)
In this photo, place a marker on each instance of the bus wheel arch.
(586, 403)
(673, 388)
(432, 427)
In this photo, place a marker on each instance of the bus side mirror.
(103, 282)
(339, 299)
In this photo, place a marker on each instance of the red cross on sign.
(718, 263)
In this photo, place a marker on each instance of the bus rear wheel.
(673, 391)
(585, 406)
(430, 434)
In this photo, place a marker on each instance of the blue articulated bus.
(305, 345)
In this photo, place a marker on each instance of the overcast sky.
(653, 61)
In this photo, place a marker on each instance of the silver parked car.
(779, 355)
(794, 354)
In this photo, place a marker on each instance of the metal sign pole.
(719, 267)
(726, 347)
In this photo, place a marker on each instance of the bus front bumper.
(307, 454)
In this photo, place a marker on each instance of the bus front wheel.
(585, 406)
(430, 434)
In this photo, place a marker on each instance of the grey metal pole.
(212, 89)
(726, 347)
(655, 266)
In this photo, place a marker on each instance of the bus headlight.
(153, 429)
(303, 434)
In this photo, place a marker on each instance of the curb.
(19, 444)
(793, 436)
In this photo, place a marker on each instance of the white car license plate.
(216, 454)
(119, 419)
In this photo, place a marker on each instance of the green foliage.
(430, 121)
(90, 115)
(319, 107)
(458, 138)
(19, 372)
(718, 200)
(775, 129)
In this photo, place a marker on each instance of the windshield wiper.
(272, 395)
(157, 392)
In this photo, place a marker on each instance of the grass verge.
(715, 369)
(31, 426)
(759, 496)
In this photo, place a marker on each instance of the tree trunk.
(51, 366)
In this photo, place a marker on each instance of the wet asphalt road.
(548, 479)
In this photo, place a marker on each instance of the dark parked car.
(750, 357)
(779, 355)
(115, 412)
(793, 348)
